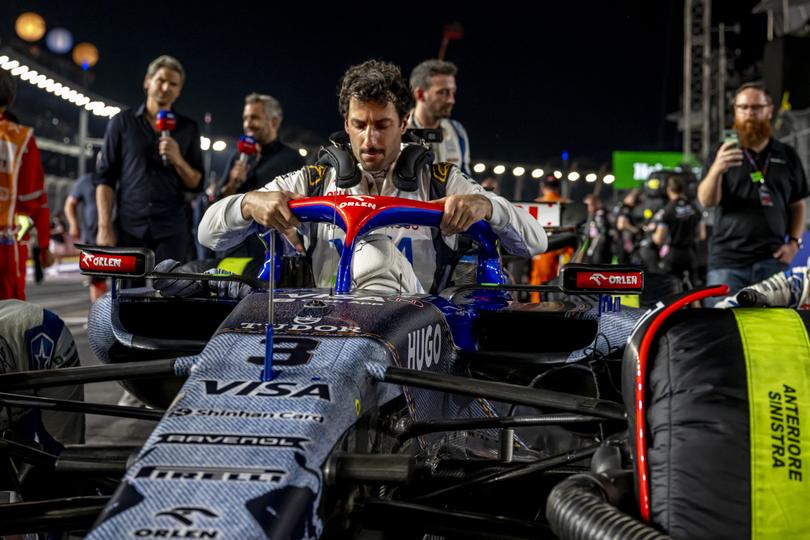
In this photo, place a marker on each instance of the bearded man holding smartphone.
(758, 187)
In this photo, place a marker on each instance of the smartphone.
(730, 135)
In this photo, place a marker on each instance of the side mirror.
(115, 261)
(601, 279)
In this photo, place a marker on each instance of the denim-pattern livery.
(100, 335)
(230, 442)
(238, 458)
(613, 331)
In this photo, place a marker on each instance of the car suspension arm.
(77, 459)
(510, 393)
(417, 518)
(84, 375)
(64, 405)
(407, 430)
(74, 513)
(487, 478)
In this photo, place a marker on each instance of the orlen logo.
(609, 280)
(359, 201)
(107, 263)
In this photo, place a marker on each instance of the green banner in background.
(631, 169)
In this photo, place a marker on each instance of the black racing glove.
(184, 288)
(174, 287)
(227, 288)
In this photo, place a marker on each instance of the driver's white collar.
(380, 178)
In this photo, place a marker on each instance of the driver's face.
(375, 132)
(440, 96)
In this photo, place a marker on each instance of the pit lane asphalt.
(66, 295)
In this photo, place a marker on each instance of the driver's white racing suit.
(222, 227)
(33, 338)
(790, 288)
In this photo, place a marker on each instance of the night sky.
(587, 77)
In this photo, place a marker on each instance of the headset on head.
(414, 156)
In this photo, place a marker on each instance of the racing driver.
(374, 100)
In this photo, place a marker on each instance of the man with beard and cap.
(433, 83)
(374, 101)
(758, 190)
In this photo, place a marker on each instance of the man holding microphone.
(260, 157)
(151, 156)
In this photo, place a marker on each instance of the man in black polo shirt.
(261, 119)
(149, 195)
(679, 228)
(758, 188)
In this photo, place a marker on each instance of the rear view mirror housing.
(601, 279)
(115, 261)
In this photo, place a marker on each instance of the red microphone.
(246, 147)
(165, 122)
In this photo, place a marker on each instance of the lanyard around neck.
(752, 161)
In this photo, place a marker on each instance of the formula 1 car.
(357, 414)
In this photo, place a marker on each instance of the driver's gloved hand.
(173, 287)
(227, 289)
(183, 288)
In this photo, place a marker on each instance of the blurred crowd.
(659, 225)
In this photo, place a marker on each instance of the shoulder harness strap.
(316, 179)
(439, 173)
(315, 176)
(446, 258)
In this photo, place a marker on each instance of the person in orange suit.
(546, 266)
(22, 191)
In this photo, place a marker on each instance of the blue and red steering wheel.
(358, 215)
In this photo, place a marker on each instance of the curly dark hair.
(377, 81)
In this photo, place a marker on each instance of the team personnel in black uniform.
(149, 195)
(628, 228)
(678, 230)
(598, 230)
(261, 120)
(758, 187)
